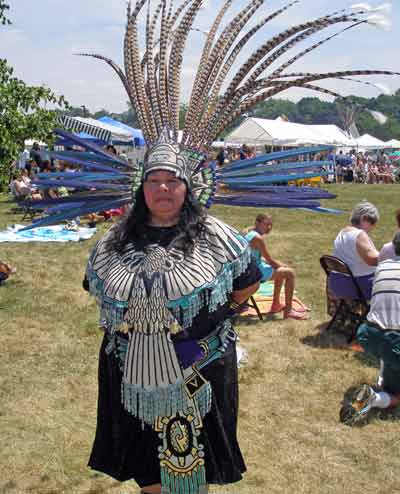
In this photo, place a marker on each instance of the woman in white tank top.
(354, 247)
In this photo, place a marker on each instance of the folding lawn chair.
(253, 304)
(348, 313)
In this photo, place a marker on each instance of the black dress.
(125, 448)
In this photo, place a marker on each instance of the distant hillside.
(307, 110)
(315, 111)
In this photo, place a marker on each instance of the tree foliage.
(3, 11)
(23, 112)
(23, 115)
(307, 111)
(127, 117)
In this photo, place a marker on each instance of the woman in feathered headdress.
(169, 277)
(167, 280)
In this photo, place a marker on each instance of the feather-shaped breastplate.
(145, 289)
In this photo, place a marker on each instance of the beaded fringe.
(149, 403)
(193, 482)
(218, 291)
(211, 295)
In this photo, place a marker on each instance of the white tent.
(261, 131)
(29, 143)
(224, 144)
(332, 134)
(393, 144)
(367, 141)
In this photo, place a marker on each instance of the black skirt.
(126, 449)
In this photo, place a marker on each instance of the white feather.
(383, 88)
(379, 21)
(379, 116)
(361, 6)
(385, 7)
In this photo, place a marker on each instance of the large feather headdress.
(152, 76)
(223, 90)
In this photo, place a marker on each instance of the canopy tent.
(367, 141)
(393, 144)
(29, 143)
(137, 134)
(332, 134)
(100, 130)
(261, 131)
(224, 144)
(84, 136)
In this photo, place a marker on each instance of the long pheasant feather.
(216, 58)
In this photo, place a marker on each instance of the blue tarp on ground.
(136, 133)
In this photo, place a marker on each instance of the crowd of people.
(26, 169)
(22, 185)
(367, 168)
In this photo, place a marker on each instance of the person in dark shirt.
(35, 154)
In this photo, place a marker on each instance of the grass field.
(291, 389)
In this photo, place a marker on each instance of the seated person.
(18, 187)
(273, 269)
(5, 271)
(387, 251)
(111, 149)
(354, 247)
(21, 189)
(380, 336)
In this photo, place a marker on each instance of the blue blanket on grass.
(56, 233)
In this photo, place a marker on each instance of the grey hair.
(396, 244)
(364, 210)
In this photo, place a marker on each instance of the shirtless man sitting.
(272, 269)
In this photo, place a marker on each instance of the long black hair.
(132, 227)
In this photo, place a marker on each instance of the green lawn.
(291, 389)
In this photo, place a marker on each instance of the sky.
(44, 35)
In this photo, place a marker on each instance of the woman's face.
(264, 226)
(366, 225)
(164, 194)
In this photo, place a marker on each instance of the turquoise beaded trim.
(212, 294)
(149, 403)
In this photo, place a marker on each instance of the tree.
(23, 112)
(128, 117)
(3, 8)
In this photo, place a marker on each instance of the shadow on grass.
(246, 320)
(367, 360)
(326, 339)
